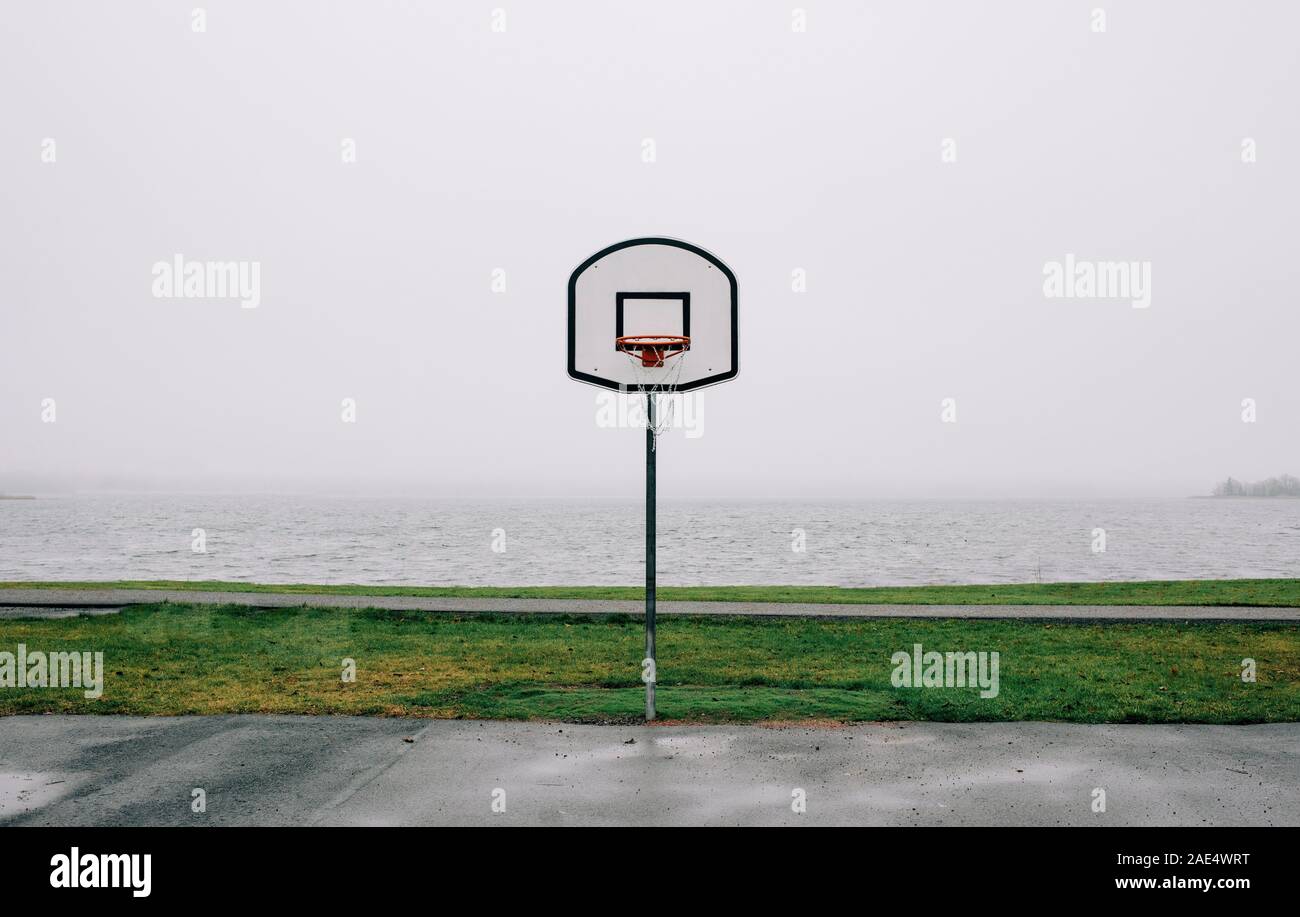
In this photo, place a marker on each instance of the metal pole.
(650, 556)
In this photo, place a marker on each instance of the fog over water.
(522, 151)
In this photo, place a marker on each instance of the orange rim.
(653, 349)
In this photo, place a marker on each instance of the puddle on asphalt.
(31, 790)
(568, 763)
(697, 744)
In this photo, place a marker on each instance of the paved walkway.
(296, 770)
(62, 602)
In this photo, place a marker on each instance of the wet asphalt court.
(297, 770)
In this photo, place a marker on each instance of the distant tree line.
(1285, 486)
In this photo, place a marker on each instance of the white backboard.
(652, 287)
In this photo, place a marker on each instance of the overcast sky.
(524, 150)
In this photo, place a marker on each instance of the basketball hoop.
(653, 349)
(656, 372)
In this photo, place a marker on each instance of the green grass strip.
(181, 659)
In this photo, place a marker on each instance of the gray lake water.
(287, 539)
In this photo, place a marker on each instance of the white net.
(659, 383)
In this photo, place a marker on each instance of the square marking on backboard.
(652, 313)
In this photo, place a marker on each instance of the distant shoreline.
(16, 497)
(1283, 486)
